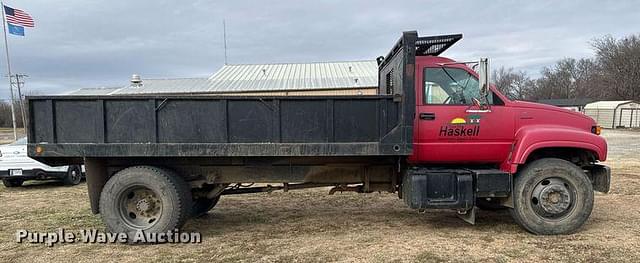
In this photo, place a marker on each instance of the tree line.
(612, 74)
(5, 114)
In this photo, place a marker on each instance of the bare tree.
(569, 79)
(619, 60)
(557, 81)
(589, 82)
(614, 73)
(514, 84)
(5, 114)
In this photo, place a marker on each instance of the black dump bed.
(199, 126)
(62, 129)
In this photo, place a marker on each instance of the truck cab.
(502, 132)
(472, 144)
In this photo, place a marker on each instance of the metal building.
(294, 79)
(615, 114)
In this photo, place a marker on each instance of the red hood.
(533, 105)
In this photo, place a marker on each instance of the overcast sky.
(80, 43)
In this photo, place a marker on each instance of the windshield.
(21, 141)
(450, 86)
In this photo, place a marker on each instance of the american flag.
(18, 17)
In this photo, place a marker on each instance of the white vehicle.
(16, 167)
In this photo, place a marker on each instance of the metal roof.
(178, 85)
(93, 91)
(295, 76)
(607, 104)
(259, 78)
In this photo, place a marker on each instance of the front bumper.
(600, 176)
(32, 174)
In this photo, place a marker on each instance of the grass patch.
(430, 257)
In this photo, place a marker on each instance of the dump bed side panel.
(107, 126)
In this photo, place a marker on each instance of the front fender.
(532, 138)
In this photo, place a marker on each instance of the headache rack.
(425, 46)
(435, 45)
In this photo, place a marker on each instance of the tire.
(489, 205)
(73, 176)
(145, 198)
(12, 182)
(201, 206)
(552, 196)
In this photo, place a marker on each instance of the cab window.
(450, 86)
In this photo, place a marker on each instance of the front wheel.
(552, 196)
(145, 198)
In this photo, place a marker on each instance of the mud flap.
(96, 176)
(468, 216)
(600, 177)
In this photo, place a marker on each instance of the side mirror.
(484, 73)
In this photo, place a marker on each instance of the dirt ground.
(311, 226)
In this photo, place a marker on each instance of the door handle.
(477, 111)
(427, 116)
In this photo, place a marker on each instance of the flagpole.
(6, 48)
(224, 37)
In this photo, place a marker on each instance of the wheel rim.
(75, 175)
(553, 198)
(140, 207)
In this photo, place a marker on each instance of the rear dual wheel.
(145, 198)
(552, 196)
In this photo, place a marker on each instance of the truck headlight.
(596, 130)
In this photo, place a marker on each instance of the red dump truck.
(437, 134)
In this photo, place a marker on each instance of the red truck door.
(450, 129)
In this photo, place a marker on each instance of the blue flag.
(15, 30)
